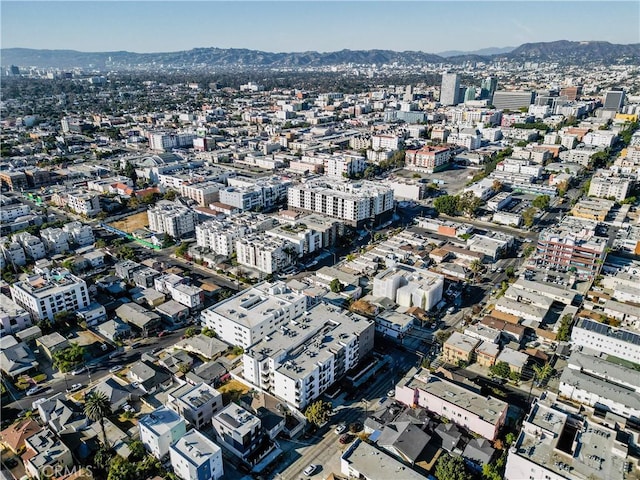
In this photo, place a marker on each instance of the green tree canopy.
(446, 204)
(65, 360)
(541, 202)
(500, 369)
(450, 467)
(529, 216)
(336, 286)
(97, 407)
(318, 412)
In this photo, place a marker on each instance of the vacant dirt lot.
(132, 222)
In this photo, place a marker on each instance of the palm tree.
(476, 267)
(96, 407)
(540, 374)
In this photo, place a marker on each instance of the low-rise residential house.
(404, 440)
(173, 312)
(161, 429)
(52, 343)
(487, 354)
(148, 376)
(114, 330)
(197, 404)
(13, 318)
(516, 360)
(145, 321)
(45, 453)
(478, 452)
(117, 393)
(208, 347)
(93, 314)
(195, 457)
(365, 462)
(14, 435)
(17, 360)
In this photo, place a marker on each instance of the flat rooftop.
(373, 463)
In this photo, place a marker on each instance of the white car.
(115, 369)
(79, 370)
(310, 470)
(35, 390)
(340, 429)
(391, 393)
(74, 388)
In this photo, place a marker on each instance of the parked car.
(391, 393)
(115, 369)
(310, 470)
(80, 370)
(340, 429)
(136, 344)
(35, 390)
(161, 334)
(74, 388)
(346, 438)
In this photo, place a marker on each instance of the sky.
(294, 26)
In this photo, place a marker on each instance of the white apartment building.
(470, 138)
(162, 142)
(161, 429)
(84, 203)
(605, 185)
(352, 202)
(600, 138)
(407, 189)
(344, 165)
(56, 240)
(171, 218)
(195, 457)
(521, 166)
(33, 247)
(13, 253)
(13, 318)
(304, 357)
(251, 314)
(50, 292)
(409, 286)
(428, 159)
(266, 254)
(542, 450)
(609, 340)
(305, 239)
(80, 234)
(220, 235)
(175, 285)
(238, 431)
(9, 213)
(196, 403)
(386, 142)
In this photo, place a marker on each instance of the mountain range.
(561, 51)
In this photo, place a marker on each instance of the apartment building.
(220, 235)
(572, 245)
(13, 253)
(344, 165)
(79, 234)
(44, 454)
(450, 89)
(462, 405)
(160, 429)
(197, 404)
(172, 219)
(264, 253)
(460, 348)
(305, 239)
(56, 240)
(195, 457)
(303, 357)
(176, 286)
(606, 185)
(164, 142)
(13, 318)
(558, 442)
(409, 286)
(9, 213)
(427, 159)
(355, 203)
(239, 431)
(597, 382)
(599, 337)
(386, 142)
(33, 247)
(261, 193)
(252, 314)
(515, 100)
(204, 193)
(83, 203)
(50, 292)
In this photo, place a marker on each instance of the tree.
(540, 374)
(476, 267)
(170, 195)
(541, 202)
(148, 198)
(468, 203)
(564, 328)
(336, 286)
(100, 243)
(529, 216)
(500, 369)
(190, 332)
(130, 171)
(96, 407)
(496, 186)
(514, 376)
(446, 204)
(450, 467)
(66, 359)
(318, 412)
(491, 472)
(122, 469)
(207, 332)
(137, 450)
(510, 271)
(182, 249)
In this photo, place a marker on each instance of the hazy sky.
(429, 26)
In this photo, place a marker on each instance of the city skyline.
(152, 26)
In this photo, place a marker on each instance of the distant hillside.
(482, 52)
(561, 51)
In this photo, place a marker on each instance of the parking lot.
(453, 180)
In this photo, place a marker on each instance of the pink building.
(461, 405)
